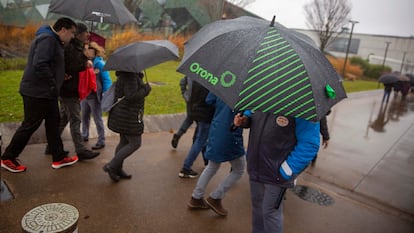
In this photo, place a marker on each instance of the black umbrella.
(389, 78)
(411, 77)
(103, 11)
(137, 56)
(252, 64)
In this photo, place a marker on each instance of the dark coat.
(44, 72)
(279, 141)
(199, 109)
(75, 62)
(127, 116)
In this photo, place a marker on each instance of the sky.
(378, 17)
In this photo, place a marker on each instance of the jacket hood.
(48, 30)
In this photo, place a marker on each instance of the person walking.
(202, 113)
(223, 145)
(387, 92)
(126, 119)
(75, 62)
(188, 121)
(40, 85)
(92, 103)
(280, 148)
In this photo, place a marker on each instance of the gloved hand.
(52, 88)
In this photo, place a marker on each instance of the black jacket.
(127, 116)
(44, 72)
(199, 109)
(75, 62)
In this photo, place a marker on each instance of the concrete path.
(362, 183)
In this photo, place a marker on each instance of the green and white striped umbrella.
(253, 64)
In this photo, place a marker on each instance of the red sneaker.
(67, 161)
(12, 165)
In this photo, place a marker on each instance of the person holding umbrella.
(280, 148)
(126, 119)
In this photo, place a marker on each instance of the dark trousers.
(35, 111)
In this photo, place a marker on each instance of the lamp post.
(385, 55)
(353, 22)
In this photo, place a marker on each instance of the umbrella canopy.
(411, 77)
(138, 56)
(253, 64)
(103, 11)
(393, 77)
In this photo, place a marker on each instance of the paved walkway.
(367, 171)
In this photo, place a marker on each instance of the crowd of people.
(279, 149)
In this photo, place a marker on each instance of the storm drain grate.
(313, 195)
(5, 193)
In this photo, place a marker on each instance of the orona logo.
(227, 78)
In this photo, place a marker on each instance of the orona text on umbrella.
(227, 78)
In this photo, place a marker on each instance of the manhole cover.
(51, 218)
(313, 195)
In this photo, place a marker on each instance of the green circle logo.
(223, 79)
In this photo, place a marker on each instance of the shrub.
(370, 70)
(352, 71)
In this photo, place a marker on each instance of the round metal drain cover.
(313, 195)
(51, 218)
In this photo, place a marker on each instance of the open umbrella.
(138, 56)
(252, 64)
(103, 11)
(388, 78)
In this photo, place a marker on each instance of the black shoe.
(85, 139)
(187, 173)
(98, 146)
(123, 175)
(111, 172)
(174, 141)
(87, 154)
(47, 151)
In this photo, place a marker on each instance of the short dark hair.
(64, 22)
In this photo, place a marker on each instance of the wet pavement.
(362, 183)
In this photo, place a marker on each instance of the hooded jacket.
(44, 72)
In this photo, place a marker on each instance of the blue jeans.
(92, 105)
(199, 142)
(237, 170)
(266, 218)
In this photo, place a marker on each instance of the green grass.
(165, 97)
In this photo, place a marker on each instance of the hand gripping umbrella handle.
(242, 113)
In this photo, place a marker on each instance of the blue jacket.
(223, 145)
(280, 147)
(105, 78)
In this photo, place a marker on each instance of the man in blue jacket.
(280, 148)
(40, 85)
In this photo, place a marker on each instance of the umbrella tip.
(273, 21)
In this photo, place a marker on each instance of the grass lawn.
(165, 97)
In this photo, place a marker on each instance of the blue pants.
(199, 142)
(266, 218)
(92, 105)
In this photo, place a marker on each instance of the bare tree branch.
(327, 18)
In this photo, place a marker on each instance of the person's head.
(82, 33)
(65, 29)
(95, 50)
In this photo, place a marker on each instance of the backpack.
(108, 99)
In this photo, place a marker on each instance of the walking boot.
(174, 141)
(215, 205)
(195, 203)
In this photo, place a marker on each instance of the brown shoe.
(215, 205)
(197, 204)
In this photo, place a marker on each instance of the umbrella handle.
(146, 78)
